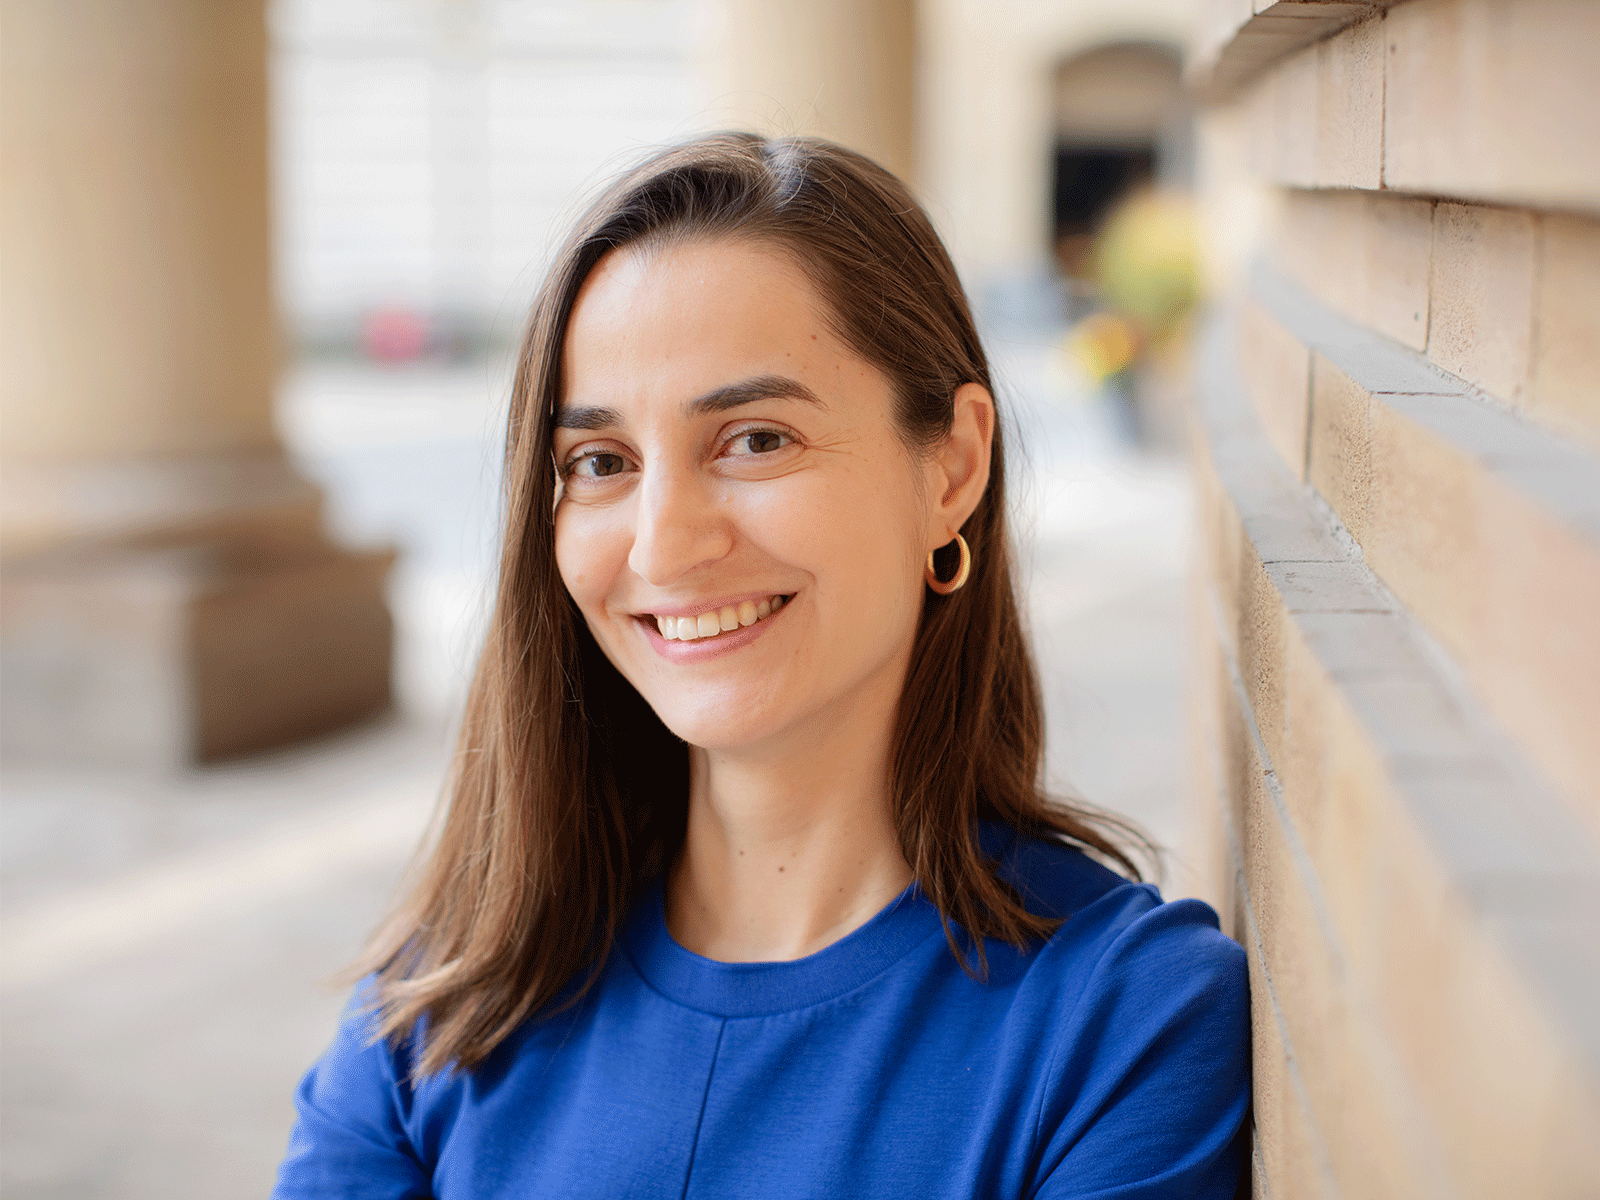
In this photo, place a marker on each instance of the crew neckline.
(763, 989)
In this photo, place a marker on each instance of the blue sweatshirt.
(1111, 1060)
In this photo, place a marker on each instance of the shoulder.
(1120, 943)
(363, 1069)
(1144, 1006)
(1053, 878)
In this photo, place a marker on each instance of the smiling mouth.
(715, 621)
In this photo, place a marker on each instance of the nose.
(678, 527)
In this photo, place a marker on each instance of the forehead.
(680, 320)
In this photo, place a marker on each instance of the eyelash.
(569, 468)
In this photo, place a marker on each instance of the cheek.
(585, 549)
(859, 537)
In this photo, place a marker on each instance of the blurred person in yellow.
(746, 883)
(1145, 267)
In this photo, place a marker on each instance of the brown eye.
(759, 441)
(763, 440)
(599, 465)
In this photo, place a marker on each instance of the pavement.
(170, 942)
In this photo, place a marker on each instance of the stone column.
(169, 595)
(840, 69)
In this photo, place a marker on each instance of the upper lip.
(695, 608)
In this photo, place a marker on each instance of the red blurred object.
(394, 335)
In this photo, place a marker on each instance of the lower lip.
(703, 648)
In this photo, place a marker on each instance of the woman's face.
(729, 465)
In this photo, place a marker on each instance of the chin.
(719, 725)
(709, 733)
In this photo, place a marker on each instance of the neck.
(787, 852)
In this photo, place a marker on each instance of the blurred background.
(1308, 506)
(266, 269)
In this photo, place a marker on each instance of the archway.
(1121, 122)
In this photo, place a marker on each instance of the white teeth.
(709, 624)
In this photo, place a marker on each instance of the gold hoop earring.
(932, 576)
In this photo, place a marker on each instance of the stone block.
(1399, 925)
(1419, 944)
(1504, 572)
(1260, 648)
(1302, 758)
(1216, 27)
(1483, 433)
(1289, 535)
(1373, 363)
(1321, 239)
(1339, 462)
(1371, 360)
(1364, 255)
(1205, 867)
(1365, 1115)
(1290, 1147)
(158, 657)
(1557, 475)
(1228, 52)
(1419, 982)
(1209, 508)
(1346, 802)
(1349, 112)
(1494, 830)
(1399, 252)
(1421, 530)
(1207, 861)
(1566, 357)
(1280, 529)
(1535, 658)
(1319, 234)
(1481, 296)
(1413, 721)
(1491, 100)
(1566, 486)
(1293, 941)
(1349, 645)
(279, 652)
(1379, 1138)
(1292, 92)
(1277, 371)
(1461, 1014)
(1317, 587)
(95, 666)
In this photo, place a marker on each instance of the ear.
(959, 470)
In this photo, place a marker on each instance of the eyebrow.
(762, 387)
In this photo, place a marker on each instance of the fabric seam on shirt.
(705, 1096)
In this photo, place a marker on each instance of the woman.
(746, 886)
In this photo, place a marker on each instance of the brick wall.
(1396, 710)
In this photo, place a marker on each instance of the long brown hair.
(567, 793)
